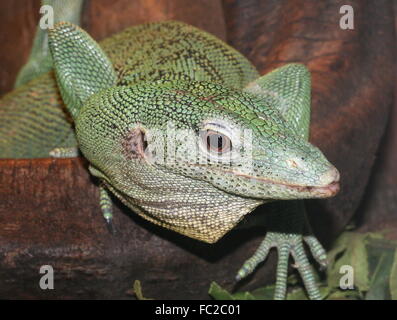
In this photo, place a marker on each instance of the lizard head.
(239, 141)
(228, 138)
(166, 136)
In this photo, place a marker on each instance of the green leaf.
(264, 293)
(354, 253)
(218, 293)
(393, 278)
(339, 294)
(297, 294)
(138, 291)
(379, 287)
(381, 254)
(339, 247)
(244, 296)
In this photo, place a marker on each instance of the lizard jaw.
(324, 191)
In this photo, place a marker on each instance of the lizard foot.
(288, 244)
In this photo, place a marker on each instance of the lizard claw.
(317, 251)
(288, 244)
(106, 207)
(110, 226)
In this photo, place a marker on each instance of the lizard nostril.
(292, 163)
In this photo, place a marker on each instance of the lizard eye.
(216, 142)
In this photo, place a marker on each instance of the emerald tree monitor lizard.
(185, 132)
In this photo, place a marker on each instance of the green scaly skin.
(144, 104)
(33, 119)
(38, 103)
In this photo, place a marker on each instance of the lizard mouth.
(324, 192)
(327, 191)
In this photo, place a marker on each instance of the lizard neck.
(191, 207)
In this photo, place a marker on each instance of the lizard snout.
(330, 176)
(329, 182)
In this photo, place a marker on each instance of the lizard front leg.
(106, 207)
(288, 230)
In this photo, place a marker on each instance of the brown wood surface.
(50, 215)
(48, 208)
